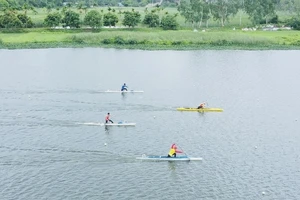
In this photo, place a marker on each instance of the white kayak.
(166, 158)
(119, 91)
(110, 124)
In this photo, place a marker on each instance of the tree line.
(93, 18)
(87, 3)
(196, 12)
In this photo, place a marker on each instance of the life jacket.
(107, 117)
(172, 151)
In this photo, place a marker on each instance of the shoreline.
(43, 45)
(213, 39)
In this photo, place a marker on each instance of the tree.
(110, 19)
(259, 10)
(3, 4)
(132, 18)
(222, 9)
(194, 11)
(10, 20)
(168, 22)
(53, 19)
(49, 8)
(26, 7)
(93, 19)
(26, 21)
(80, 7)
(71, 19)
(151, 19)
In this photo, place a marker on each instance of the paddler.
(173, 151)
(201, 105)
(107, 118)
(124, 87)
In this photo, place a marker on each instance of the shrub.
(110, 19)
(93, 19)
(26, 21)
(168, 22)
(76, 39)
(294, 23)
(151, 19)
(71, 19)
(132, 42)
(119, 40)
(132, 18)
(107, 41)
(53, 19)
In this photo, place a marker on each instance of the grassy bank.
(151, 39)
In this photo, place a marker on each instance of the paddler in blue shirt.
(124, 87)
(201, 105)
(173, 151)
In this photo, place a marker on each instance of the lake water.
(249, 151)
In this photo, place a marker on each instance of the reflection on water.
(123, 95)
(172, 165)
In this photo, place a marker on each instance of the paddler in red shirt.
(107, 118)
(173, 151)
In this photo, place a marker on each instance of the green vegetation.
(110, 19)
(93, 19)
(219, 23)
(168, 22)
(156, 39)
(131, 19)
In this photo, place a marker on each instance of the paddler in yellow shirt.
(173, 151)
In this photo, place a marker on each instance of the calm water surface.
(249, 151)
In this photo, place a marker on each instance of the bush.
(26, 21)
(71, 19)
(53, 19)
(119, 40)
(107, 41)
(93, 19)
(76, 39)
(132, 18)
(294, 23)
(110, 19)
(151, 19)
(168, 22)
(10, 20)
(132, 42)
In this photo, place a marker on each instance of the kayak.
(119, 91)
(110, 124)
(166, 158)
(121, 124)
(201, 109)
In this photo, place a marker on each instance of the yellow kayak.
(201, 109)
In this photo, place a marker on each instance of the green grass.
(145, 38)
(215, 37)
